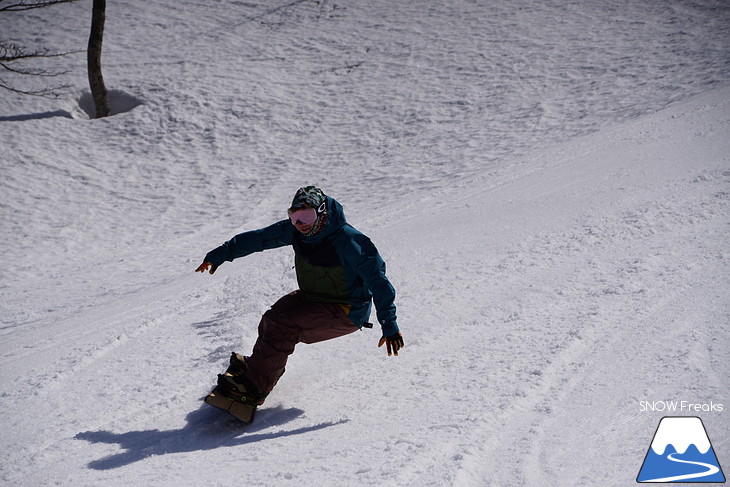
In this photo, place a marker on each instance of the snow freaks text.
(680, 407)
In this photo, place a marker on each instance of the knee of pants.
(274, 329)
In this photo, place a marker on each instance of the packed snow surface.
(548, 183)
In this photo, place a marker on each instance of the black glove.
(393, 343)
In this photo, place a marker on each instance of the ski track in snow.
(552, 209)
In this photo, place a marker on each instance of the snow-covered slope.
(553, 209)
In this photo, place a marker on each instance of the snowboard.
(237, 409)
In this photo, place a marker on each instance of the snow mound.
(119, 102)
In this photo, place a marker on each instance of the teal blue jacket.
(337, 265)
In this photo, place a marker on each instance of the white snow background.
(548, 183)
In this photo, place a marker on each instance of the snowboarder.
(340, 274)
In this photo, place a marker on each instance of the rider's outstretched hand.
(392, 343)
(206, 266)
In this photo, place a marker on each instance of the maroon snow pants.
(292, 319)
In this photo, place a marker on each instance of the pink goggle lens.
(305, 216)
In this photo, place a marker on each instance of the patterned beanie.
(312, 197)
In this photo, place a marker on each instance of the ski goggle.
(305, 216)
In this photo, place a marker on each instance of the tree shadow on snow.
(206, 429)
(36, 116)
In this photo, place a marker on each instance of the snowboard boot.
(234, 393)
(239, 389)
(233, 396)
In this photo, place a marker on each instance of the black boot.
(239, 389)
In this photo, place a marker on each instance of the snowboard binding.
(234, 394)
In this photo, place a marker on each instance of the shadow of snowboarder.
(206, 429)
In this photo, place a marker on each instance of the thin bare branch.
(12, 56)
(14, 52)
(52, 92)
(45, 73)
(21, 6)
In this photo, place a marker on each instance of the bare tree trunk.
(96, 80)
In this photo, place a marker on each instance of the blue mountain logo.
(681, 452)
